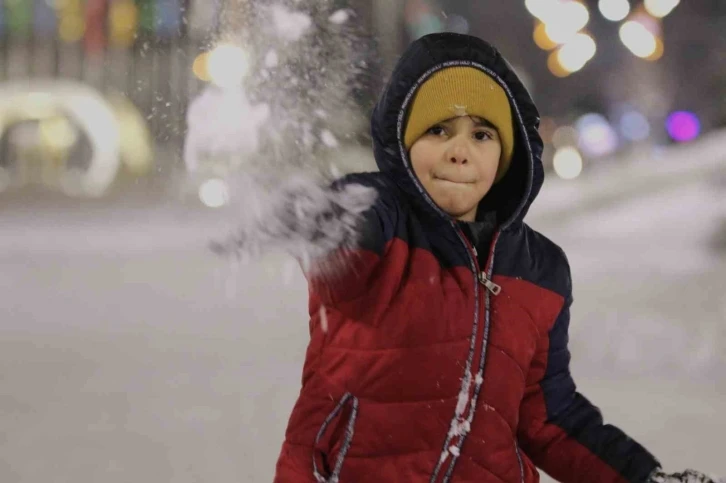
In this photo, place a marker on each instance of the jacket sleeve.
(561, 431)
(348, 278)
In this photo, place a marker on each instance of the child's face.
(457, 163)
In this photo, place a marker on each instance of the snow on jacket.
(430, 361)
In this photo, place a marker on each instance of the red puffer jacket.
(430, 361)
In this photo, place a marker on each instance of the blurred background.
(128, 351)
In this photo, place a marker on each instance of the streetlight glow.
(634, 126)
(577, 52)
(214, 193)
(568, 162)
(565, 20)
(596, 137)
(660, 8)
(658, 52)
(554, 65)
(227, 65)
(614, 10)
(683, 126)
(541, 38)
(540, 8)
(638, 39)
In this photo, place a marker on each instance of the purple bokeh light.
(683, 126)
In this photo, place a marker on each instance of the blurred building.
(137, 54)
(139, 48)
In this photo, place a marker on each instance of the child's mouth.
(447, 180)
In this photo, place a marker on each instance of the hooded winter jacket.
(433, 360)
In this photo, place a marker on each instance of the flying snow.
(265, 137)
(328, 139)
(289, 24)
(271, 59)
(219, 137)
(340, 16)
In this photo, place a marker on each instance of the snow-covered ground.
(129, 353)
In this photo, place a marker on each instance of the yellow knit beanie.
(462, 91)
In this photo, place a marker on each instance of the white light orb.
(540, 8)
(614, 10)
(634, 126)
(568, 163)
(638, 39)
(227, 65)
(660, 8)
(596, 137)
(214, 193)
(565, 19)
(577, 52)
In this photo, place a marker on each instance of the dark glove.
(688, 476)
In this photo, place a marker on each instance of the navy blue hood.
(512, 196)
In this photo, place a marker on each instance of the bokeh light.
(540, 8)
(71, 21)
(658, 52)
(660, 8)
(123, 18)
(199, 67)
(566, 20)
(638, 39)
(227, 65)
(554, 65)
(577, 52)
(634, 126)
(214, 193)
(614, 10)
(596, 137)
(568, 162)
(541, 38)
(683, 126)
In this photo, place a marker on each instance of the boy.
(439, 353)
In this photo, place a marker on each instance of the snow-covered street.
(128, 352)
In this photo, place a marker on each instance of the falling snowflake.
(271, 59)
(340, 17)
(328, 139)
(290, 25)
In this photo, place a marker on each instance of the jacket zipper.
(450, 450)
(491, 286)
(494, 289)
(488, 284)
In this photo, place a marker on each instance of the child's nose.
(457, 154)
(458, 160)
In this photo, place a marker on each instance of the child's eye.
(436, 130)
(483, 135)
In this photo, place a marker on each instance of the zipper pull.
(491, 286)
